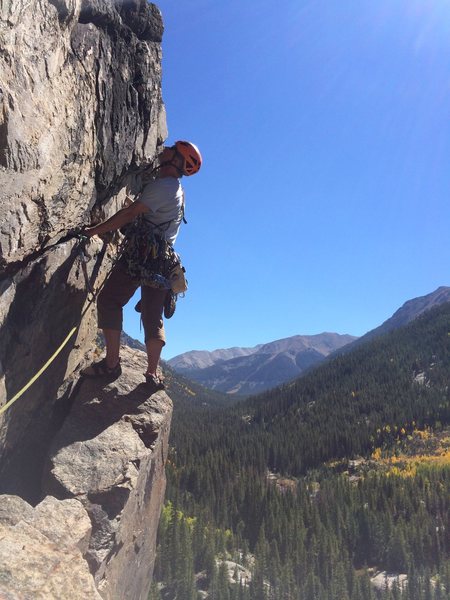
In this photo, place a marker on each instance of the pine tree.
(367, 592)
(185, 576)
(209, 563)
(397, 553)
(154, 593)
(223, 587)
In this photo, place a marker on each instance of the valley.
(320, 489)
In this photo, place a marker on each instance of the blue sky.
(323, 200)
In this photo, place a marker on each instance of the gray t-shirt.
(164, 198)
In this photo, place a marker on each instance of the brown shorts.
(118, 290)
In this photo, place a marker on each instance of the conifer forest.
(333, 487)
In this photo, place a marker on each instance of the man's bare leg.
(154, 347)
(112, 339)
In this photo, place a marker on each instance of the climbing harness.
(147, 254)
(150, 258)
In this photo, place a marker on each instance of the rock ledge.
(95, 531)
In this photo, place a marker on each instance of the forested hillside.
(186, 393)
(310, 490)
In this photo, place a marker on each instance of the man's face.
(170, 155)
(167, 154)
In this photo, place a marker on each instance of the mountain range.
(252, 370)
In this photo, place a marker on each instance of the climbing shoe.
(101, 370)
(154, 384)
(170, 304)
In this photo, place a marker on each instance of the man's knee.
(154, 332)
(152, 309)
(109, 311)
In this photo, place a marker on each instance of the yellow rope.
(52, 358)
(39, 373)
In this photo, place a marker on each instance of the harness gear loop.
(149, 257)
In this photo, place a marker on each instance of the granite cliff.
(81, 112)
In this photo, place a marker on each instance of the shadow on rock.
(99, 405)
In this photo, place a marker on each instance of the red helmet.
(191, 155)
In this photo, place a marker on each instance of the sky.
(323, 200)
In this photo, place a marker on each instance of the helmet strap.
(168, 163)
(171, 162)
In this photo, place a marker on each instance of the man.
(161, 203)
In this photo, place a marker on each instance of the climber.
(161, 206)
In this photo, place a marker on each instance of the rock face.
(253, 370)
(81, 116)
(80, 112)
(110, 455)
(94, 534)
(81, 102)
(41, 550)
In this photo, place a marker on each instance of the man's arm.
(122, 217)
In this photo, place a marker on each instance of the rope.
(39, 373)
(66, 340)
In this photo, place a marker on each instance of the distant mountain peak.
(251, 370)
(409, 311)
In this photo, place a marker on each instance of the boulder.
(41, 550)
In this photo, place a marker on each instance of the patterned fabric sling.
(150, 258)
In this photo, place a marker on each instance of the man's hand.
(89, 231)
(121, 218)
